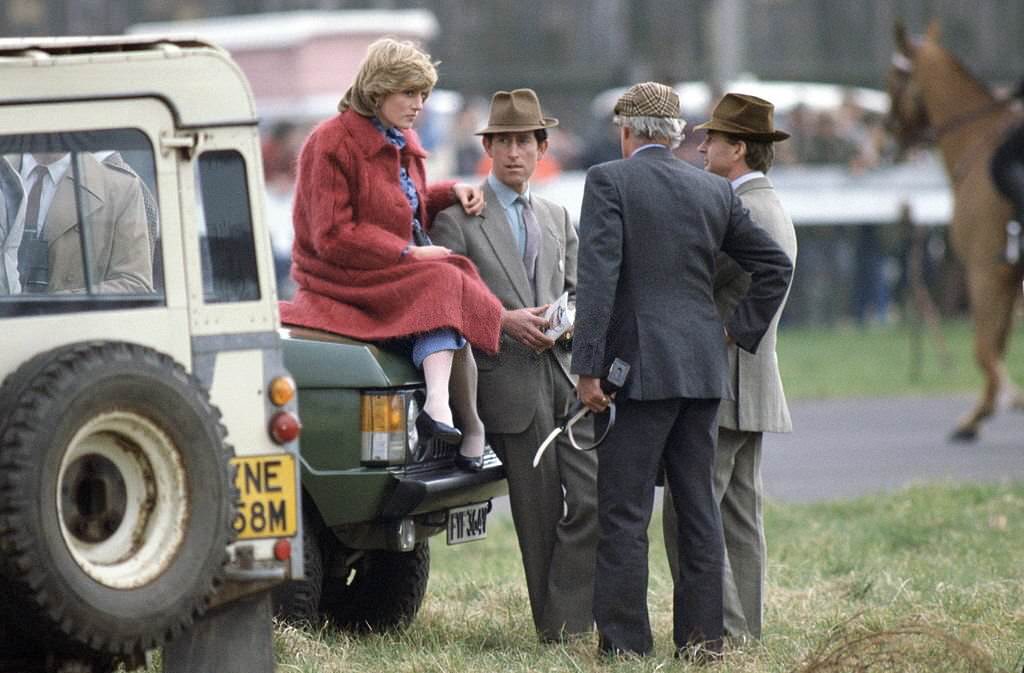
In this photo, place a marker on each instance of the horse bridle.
(905, 66)
(898, 118)
(970, 116)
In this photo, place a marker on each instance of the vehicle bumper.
(421, 491)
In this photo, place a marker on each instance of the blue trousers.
(428, 343)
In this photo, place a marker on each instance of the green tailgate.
(330, 372)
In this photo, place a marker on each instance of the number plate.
(266, 505)
(469, 523)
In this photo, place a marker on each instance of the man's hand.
(588, 390)
(429, 252)
(471, 197)
(527, 325)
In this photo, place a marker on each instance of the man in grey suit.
(650, 228)
(525, 248)
(739, 147)
(110, 197)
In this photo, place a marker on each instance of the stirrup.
(1012, 254)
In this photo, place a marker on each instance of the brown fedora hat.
(745, 117)
(516, 111)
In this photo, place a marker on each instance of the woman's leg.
(437, 370)
(463, 387)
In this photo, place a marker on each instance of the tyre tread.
(24, 395)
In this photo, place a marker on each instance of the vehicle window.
(225, 229)
(79, 222)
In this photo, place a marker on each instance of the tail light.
(283, 549)
(387, 427)
(282, 390)
(284, 425)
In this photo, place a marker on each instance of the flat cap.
(648, 99)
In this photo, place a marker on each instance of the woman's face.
(401, 108)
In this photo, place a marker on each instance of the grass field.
(931, 576)
(883, 361)
(929, 579)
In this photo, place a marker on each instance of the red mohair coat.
(352, 222)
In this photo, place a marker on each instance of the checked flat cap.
(648, 99)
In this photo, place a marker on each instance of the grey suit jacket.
(508, 380)
(12, 224)
(650, 228)
(760, 402)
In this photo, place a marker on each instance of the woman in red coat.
(362, 258)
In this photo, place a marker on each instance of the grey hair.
(654, 128)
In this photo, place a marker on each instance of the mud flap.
(235, 638)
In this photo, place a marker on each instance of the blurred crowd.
(847, 135)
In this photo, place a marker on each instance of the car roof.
(197, 79)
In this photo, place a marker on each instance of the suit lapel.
(498, 233)
(63, 214)
(12, 194)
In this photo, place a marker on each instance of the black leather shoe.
(606, 649)
(430, 429)
(469, 463)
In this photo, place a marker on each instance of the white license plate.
(468, 523)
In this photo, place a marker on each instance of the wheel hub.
(93, 498)
(122, 499)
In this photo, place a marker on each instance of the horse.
(934, 99)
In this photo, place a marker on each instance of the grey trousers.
(679, 434)
(554, 509)
(739, 491)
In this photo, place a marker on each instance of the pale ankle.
(440, 412)
(472, 444)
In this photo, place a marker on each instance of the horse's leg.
(992, 293)
(1014, 396)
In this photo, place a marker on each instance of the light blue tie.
(531, 239)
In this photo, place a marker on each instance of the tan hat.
(746, 117)
(515, 111)
(648, 99)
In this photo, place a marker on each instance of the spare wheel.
(115, 497)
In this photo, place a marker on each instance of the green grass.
(883, 361)
(932, 575)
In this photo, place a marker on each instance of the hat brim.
(546, 123)
(740, 132)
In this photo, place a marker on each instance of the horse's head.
(907, 120)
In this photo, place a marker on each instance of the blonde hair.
(390, 66)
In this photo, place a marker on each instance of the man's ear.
(542, 147)
(486, 142)
(741, 149)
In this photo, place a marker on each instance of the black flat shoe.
(430, 429)
(469, 463)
